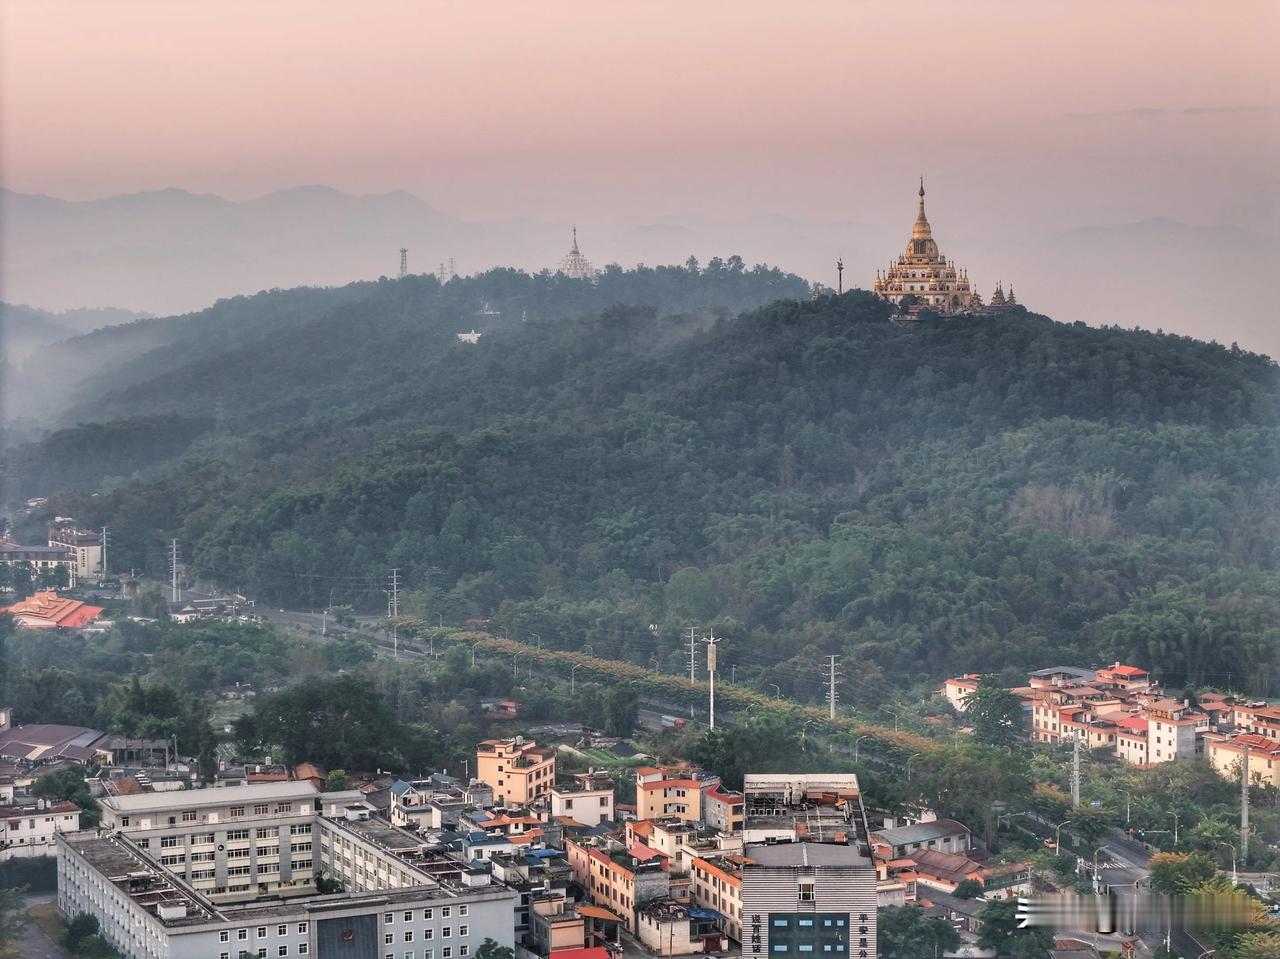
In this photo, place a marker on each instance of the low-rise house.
(1226, 754)
(681, 841)
(717, 884)
(724, 809)
(958, 689)
(28, 831)
(619, 878)
(662, 797)
(588, 799)
(519, 770)
(1257, 719)
(942, 835)
(671, 928)
(945, 871)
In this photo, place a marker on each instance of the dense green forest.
(956, 494)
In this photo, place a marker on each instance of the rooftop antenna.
(404, 262)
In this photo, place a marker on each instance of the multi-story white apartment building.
(152, 901)
(588, 799)
(27, 831)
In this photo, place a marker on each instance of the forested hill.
(965, 494)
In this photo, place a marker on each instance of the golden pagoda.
(921, 271)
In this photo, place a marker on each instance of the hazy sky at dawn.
(1024, 115)
(503, 108)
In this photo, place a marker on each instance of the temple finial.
(922, 187)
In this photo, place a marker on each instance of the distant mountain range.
(172, 251)
(25, 329)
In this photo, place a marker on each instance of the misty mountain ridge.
(808, 474)
(173, 251)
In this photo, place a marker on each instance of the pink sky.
(511, 108)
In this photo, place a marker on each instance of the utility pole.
(104, 552)
(1244, 805)
(393, 611)
(173, 571)
(1075, 772)
(693, 663)
(711, 678)
(832, 676)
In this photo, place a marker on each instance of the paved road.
(34, 944)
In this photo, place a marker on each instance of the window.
(302, 928)
(428, 934)
(168, 842)
(408, 916)
(262, 952)
(284, 807)
(224, 935)
(282, 930)
(303, 948)
(388, 917)
(445, 911)
(282, 951)
(261, 809)
(463, 910)
(265, 833)
(237, 811)
(464, 950)
(189, 815)
(224, 955)
(426, 913)
(262, 932)
(806, 894)
(124, 820)
(446, 953)
(388, 938)
(446, 932)
(242, 934)
(408, 935)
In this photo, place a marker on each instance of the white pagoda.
(575, 265)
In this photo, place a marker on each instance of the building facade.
(519, 770)
(27, 831)
(85, 548)
(137, 877)
(803, 900)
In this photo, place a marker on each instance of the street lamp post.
(908, 764)
(777, 690)
(894, 714)
(856, 743)
(1174, 813)
(1057, 836)
(1235, 876)
(1097, 884)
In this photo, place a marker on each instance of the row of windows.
(446, 952)
(429, 913)
(243, 934)
(303, 950)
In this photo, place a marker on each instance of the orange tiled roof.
(48, 610)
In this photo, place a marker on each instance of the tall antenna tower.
(174, 593)
(104, 552)
(840, 275)
(404, 262)
(832, 677)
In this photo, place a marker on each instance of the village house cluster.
(1122, 710)
(272, 860)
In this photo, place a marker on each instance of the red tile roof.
(48, 610)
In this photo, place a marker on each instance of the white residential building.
(27, 831)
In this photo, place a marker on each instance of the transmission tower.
(173, 571)
(832, 695)
(404, 262)
(104, 552)
(393, 610)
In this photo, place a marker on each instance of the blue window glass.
(780, 923)
(806, 922)
(805, 947)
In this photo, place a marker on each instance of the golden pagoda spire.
(921, 230)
